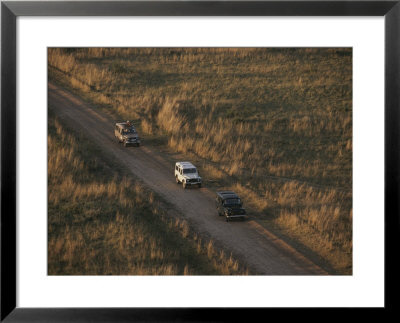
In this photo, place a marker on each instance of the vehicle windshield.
(232, 202)
(189, 170)
(130, 130)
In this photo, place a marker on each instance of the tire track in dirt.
(261, 251)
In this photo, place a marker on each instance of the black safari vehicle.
(230, 205)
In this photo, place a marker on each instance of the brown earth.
(259, 249)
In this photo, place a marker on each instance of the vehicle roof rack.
(126, 124)
(228, 194)
(185, 164)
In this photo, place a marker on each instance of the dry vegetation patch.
(103, 223)
(274, 124)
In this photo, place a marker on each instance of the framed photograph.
(197, 160)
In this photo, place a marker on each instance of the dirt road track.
(256, 247)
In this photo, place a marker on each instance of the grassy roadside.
(102, 222)
(274, 125)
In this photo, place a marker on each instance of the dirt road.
(261, 251)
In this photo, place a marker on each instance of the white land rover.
(186, 173)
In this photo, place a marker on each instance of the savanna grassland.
(275, 125)
(102, 222)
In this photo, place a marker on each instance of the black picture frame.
(10, 10)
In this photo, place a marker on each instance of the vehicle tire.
(183, 184)
(137, 145)
(199, 185)
(176, 180)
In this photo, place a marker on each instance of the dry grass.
(101, 223)
(274, 124)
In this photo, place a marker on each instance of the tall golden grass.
(256, 119)
(103, 224)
